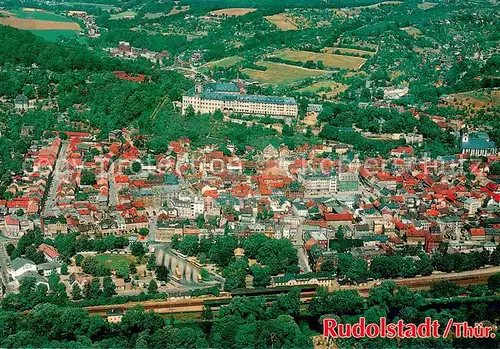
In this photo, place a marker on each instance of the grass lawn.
(54, 35)
(281, 74)
(335, 87)
(224, 62)
(114, 260)
(328, 59)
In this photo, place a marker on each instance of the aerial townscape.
(244, 173)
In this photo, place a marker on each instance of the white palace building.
(229, 98)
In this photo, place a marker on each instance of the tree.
(138, 249)
(286, 303)
(444, 289)
(494, 282)
(136, 167)
(235, 274)
(206, 314)
(151, 265)
(64, 269)
(222, 251)
(79, 259)
(162, 273)
(152, 287)
(108, 287)
(132, 268)
(144, 231)
(261, 276)
(76, 293)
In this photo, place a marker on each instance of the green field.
(122, 15)
(55, 35)
(113, 261)
(40, 15)
(328, 87)
(328, 59)
(282, 74)
(103, 6)
(224, 62)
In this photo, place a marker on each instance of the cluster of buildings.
(308, 195)
(126, 51)
(28, 191)
(232, 98)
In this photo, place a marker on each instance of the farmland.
(348, 51)
(328, 59)
(282, 22)
(328, 87)
(475, 99)
(233, 12)
(45, 24)
(282, 74)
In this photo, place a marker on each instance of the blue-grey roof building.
(478, 144)
(229, 98)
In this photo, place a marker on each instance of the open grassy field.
(45, 24)
(328, 59)
(328, 87)
(174, 11)
(475, 99)
(282, 22)
(39, 15)
(233, 12)
(123, 15)
(426, 5)
(114, 260)
(103, 6)
(412, 31)
(54, 35)
(381, 4)
(347, 50)
(224, 62)
(282, 74)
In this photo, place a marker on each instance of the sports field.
(329, 60)
(114, 260)
(281, 74)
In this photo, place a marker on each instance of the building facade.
(229, 98)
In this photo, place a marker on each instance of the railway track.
(173, 306)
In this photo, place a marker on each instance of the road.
(196, 304)
(56, 179)
(4, 270)
(112, 188)
(152, 228)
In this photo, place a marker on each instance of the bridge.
(179, 267)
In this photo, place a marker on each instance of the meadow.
(329, 60)
(282, 74)
(282, 22)
(233, 12)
